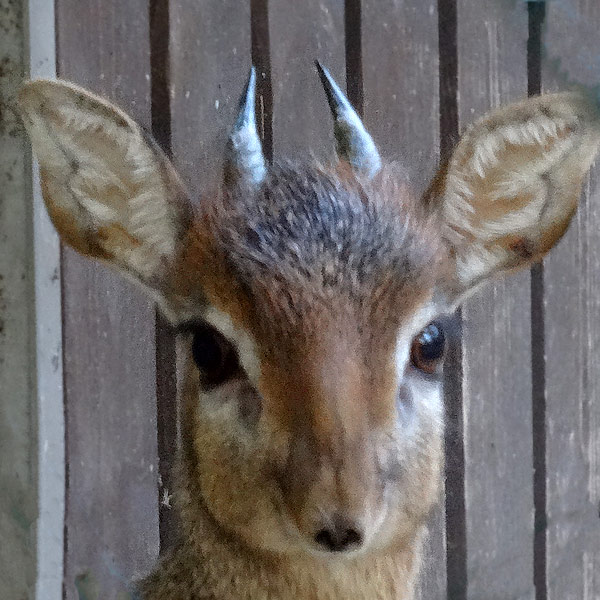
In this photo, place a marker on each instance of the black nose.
(339, 536)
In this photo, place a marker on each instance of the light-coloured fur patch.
(241, 339)
(425, 402)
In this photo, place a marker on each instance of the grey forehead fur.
(309, 226)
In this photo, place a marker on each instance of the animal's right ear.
(110, 192)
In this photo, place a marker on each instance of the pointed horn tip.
(335, 96)
(247, 101)
(250, 86)
(244, 159)
(324, 74)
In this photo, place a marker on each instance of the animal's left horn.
(245, 161)
(353, 143)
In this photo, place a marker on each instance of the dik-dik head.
(312, 295)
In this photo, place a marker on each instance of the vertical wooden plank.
(401, 110)
(166, 341)
(109, 351)
(301, 32)
(492, 68)
(210, 62)
(572, 337)
(401, 81)
(454, 491)
(49, 355)
(18, 440)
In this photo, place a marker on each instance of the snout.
(329, 471)
(339, 534)
(335, 509)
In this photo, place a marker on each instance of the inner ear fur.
(509, 190)
(110, 191)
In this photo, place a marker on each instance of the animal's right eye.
(214, 356)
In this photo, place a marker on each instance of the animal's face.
(318, 399)
(311, 297)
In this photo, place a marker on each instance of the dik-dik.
(311, 298)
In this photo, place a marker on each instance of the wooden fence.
(521, 513)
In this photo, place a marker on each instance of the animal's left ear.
(512, 185)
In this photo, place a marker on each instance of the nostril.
(338, 539)
(326, 539)
(352, 538)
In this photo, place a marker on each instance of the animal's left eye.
(428, 348)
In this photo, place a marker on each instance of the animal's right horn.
(245, 162)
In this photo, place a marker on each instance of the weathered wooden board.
(166, 343)
(210, 62)
(48, 342)
(301, 32)
(492, 71)
(401, 110)
(109, 351)
(401, 82)
(18, 407)
(572, 337)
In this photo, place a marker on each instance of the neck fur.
(209, 563)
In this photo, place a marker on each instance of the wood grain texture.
(301, 32)
(210, 62)
(49, 353)
(492, 68)
(572, 325)
(18, 406)
(167, 421)
(401, 82)
(110, 396)
(401, 111)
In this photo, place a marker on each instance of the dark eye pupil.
(432, 341)
(428, 348)
(213, 355)
(207, 351)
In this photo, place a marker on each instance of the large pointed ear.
(110, 192)
(512, 185)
